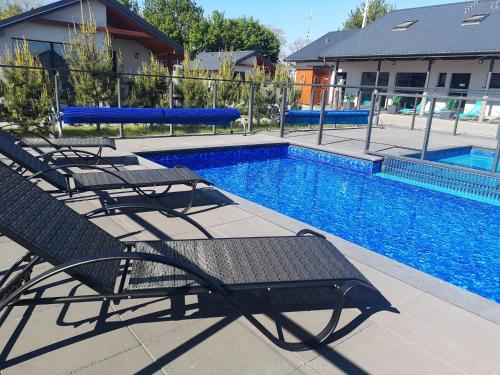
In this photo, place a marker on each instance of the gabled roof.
(58, 5)
(211, 60)
(438, 31)
(313, 50)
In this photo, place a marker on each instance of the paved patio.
(420, 325)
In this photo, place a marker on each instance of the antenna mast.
(365, 14)
(308, 34)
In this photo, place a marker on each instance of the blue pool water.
(469, 157)
(454, 239)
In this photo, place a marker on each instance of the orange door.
(304, 76)
(322, 78)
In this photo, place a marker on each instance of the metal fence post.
(171, 101)
(58, 105)
(379, 106)
(214, 102)
(250, 107)
(311, 98)
(322, 117)
(414, 115)
(457, 118)
(119, 94)
(370, 122)
(494, 168)
(428, 129)
(283, 109)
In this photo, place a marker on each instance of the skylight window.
(404, 25)
(475, 19)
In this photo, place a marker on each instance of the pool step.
(463, 181)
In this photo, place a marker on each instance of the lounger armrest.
(303, 232)
(46, 139)
(56, 167)
(210, 281)
(154, 207)
(77, 152)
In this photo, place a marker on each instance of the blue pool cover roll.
(189, 116)
(331, 117)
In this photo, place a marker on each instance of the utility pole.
(365, 14)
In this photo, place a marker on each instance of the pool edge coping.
(443, 290)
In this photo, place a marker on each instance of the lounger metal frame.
(22, 283)
(23, 167)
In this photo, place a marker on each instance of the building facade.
(244, 61)
(47, 30)
(449, 49)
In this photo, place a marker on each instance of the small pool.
(469, 157)
(452, 238)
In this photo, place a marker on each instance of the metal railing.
(433, 98)
(251, 98)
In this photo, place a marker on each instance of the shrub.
(228, 93)
(151, 88)
(451, 104)
(194, 92)
(396, 100)
(26, 99)
(83, 54)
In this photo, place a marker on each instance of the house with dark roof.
(244, 61)
(449, 48)
(47, 29)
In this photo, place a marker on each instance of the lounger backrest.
(48, 228)
(477, 107)
(16, 153)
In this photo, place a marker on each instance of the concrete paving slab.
(48, 342)
(217, 347)
(129, 362)
(461, 339)
(251, 227)
(376, 350)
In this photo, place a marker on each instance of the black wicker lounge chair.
(58, 143)
(53, 232)
(105, 179)
(65, 150)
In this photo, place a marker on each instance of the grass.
(144, 130)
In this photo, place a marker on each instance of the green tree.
(218, 33)
(26, 97)
(377, 9)
(9, 8)
(93, 65)
(176, 18)
(132, 5)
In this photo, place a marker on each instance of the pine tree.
(93, 66)
(27, 101)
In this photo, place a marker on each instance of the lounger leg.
(158, 195)
(191, 199)
(20, 278)
(340, 293)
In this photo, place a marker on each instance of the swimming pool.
(469, 157)
(449, 237)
